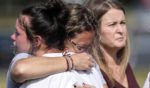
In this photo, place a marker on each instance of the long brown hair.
(100, 7)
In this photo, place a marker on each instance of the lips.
(120, 38)
(14, 43)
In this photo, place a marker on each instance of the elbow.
(18, 73)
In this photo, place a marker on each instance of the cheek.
(125, 30)
(23, 45)
(26, 48)
(106, 39)
(125, 34)
(107, 35)
(27, 44)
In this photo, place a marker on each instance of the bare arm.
(37, 67)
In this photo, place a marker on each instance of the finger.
(91, 65)
(93, 60)
(90, 58)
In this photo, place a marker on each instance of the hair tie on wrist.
(69, 63)
(73, 67)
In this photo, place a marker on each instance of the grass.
(141, 75)
(3, 73)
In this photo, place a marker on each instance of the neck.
(110, 55)
(41, 51)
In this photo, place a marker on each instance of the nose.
(13, 36)
(119, 28)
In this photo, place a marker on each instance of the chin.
(121, 46)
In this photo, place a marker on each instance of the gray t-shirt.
(11, 83)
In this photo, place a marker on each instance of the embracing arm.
(37, 67)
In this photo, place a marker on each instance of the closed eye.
(112, 24)
(85, 47)
(123, 22)
(16, 33)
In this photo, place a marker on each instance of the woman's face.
(81, 42)
(21, 42)
(113, 29)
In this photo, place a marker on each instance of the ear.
(38, 40)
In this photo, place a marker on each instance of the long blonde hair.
(100, 7)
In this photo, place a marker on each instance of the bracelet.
(69, 63)
(73, 67)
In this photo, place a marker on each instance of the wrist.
(69, 62)
(73, 67)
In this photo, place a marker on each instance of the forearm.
(37, 67)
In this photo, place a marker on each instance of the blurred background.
(138, 23)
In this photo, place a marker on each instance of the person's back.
(11, 83)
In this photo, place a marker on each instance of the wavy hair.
(81, 19)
